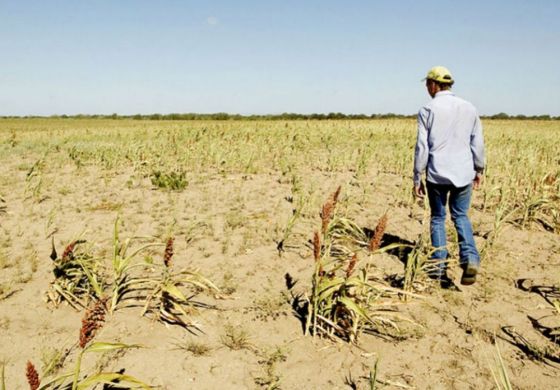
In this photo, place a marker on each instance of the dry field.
(219, 255)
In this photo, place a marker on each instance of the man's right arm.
(421, 151)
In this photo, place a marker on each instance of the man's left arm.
(421, 151)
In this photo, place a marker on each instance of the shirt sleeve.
(421, 151)
(477, 146)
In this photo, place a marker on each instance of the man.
(450, 148)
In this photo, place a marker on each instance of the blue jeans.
(459, 203)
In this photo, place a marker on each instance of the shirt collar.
(444, 93)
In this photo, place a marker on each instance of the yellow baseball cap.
(440, 74)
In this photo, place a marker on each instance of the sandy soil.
(227, 225)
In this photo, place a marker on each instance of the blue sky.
(257, 57)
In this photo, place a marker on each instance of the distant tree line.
(284, 116)
(503, 115)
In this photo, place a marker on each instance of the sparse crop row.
(522, 181)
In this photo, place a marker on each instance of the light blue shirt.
(449, 145)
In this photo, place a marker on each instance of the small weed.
(236, 338)
(106, 358)
(4, 323)
(234, 220)
(52, 360)
(4, 261)
(64, 190)
(270, 307)
(269, 361)
(194, 347)
(228, 286)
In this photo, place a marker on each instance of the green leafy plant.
(174, 180)
(269, 361)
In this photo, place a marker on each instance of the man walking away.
(450, 149)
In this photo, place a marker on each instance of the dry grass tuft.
(194, 347)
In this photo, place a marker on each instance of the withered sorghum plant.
(169, 302)
(346, 299)
(419, 265)
(167, 299)
(127, 283)
(168, 295)
(347, 236)
(77, 278)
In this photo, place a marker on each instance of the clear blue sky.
(136, 56)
